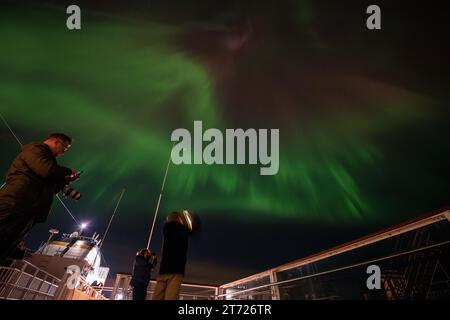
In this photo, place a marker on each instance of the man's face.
(58, 147)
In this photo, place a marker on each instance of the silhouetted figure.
(142, 268)
(31, 182)
(177, 229)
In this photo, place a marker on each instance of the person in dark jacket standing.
(143, 265)
(31, 182)
(177, 229)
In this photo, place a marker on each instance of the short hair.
(60, 136)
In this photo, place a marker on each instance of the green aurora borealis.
(353, 148)
(120, 90)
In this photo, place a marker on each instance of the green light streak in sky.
(121, 90)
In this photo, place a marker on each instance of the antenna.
(102, 241)
(159, 199)
(12, 132)
(110, 220)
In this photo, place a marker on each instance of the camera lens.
(71, 193)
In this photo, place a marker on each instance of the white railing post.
(274, 289)
(116, 287)
(216, 293)
(447, 215)
(61, 288)
(50, 287)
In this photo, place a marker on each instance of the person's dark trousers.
(14, 226)
(139, 290)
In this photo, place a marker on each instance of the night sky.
(363, 118)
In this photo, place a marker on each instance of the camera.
(70, 192)
(153, 259)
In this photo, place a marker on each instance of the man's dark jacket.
(175, 245)
(31, 182)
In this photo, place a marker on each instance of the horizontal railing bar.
(335, 270)
(352, 245)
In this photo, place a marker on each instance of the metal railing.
(411, 256)
(265, 291)
(189, 291)
(24, 281)
(414, 257)
(83, 291)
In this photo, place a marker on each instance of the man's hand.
(74, 176)
(153, 260)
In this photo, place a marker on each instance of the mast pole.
(159, 200)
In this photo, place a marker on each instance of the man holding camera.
(144, 262)
(31, 182)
